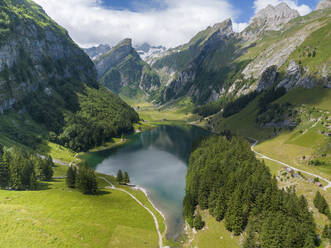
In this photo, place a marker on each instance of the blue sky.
(158, 22)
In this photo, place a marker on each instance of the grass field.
(177, 111)
(213, 234)
(56, 216)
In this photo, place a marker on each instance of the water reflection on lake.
(157, 161)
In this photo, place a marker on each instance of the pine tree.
(71, 177)
(86, 181)
(198, 223)
(4, 169)
(250, 241)
(33, 182)
(46, 170)
(119, 176)
(321, 204)
(234, 219)
(126, 178)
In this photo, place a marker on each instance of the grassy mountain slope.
(233, 68)
(308, 139)
(46, 83)
(125, 73)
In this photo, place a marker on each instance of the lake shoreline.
(153, 205)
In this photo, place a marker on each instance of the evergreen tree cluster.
(225, 177)
(321, 204)
(210, 108)
(20, 170)
(123, 178)
(101, 117)
(269, 96)
(237, 105)
(83, 179)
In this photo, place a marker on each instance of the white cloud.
(90, 24)
(301, 8)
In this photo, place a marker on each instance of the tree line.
(20, 170)
(82, 178)
(225, 177)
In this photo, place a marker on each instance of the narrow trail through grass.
(111, 186)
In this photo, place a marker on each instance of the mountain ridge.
(47, 82)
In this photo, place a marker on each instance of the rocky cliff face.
(218, 63)
(192, 81)
(270, 18)
(323, 4)
(35, 53)
(96, 51)
(121, 69)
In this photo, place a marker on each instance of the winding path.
(141, 204)
(293, 168)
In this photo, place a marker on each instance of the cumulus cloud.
(89, 23)
(303, 9)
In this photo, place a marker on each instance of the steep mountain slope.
(124, 72)
(48, 84)
(96, 51)
(178, 58)
(277, 46)
(208, 68)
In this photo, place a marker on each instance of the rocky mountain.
(124, 72)
(323, 4)
(270, 18)
(47, 83)
(200, 69)
(96, 51)
(278, 47)
(148, 53)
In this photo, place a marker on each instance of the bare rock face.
(36, 56)
(268, 78)
(296, 77)
(183, 83)
(270, 18)
(324, 4)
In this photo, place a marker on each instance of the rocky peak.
(273, 17)
(269, 18)
(224, 28)
(323, 4)
(126, 42)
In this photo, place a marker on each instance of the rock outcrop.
(323, 4)
(267, 78)
(269, 18)
(297, 76)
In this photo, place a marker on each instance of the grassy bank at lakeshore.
(57, 216)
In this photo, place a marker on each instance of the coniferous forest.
(225, 178)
